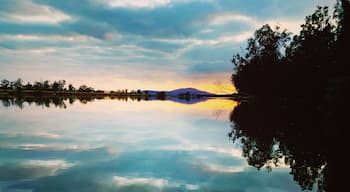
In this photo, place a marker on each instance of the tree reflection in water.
(301, 134)
(62, 101)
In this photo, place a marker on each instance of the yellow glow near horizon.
(218, 89)
(166, 105)
(210, 104)
(116, 84)
(217, 83)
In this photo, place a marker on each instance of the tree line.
(58, 86)
(297, 89)
(277, 64)
(46, 85)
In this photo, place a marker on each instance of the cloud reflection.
(32, 169)
(110, 145)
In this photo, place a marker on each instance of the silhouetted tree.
(300, 106)
(71, 87)
(46, 85)
(55, 86)
(28, 86)
(18, 84)
(259, 67)
(275, 65)
(85, 88)
(5, 84)
(61, 84)
(37, 85)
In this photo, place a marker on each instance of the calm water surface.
(110, 145)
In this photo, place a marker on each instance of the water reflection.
(113, 145)
(62, 102)
(292, 133)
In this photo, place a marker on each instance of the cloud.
(193, 147)
(34, 37)
(211, 42)
(115, 37)
(135, 4)
(222, 169)
(191, 187)
(207, 31)
(45, 135)
(95, 29)
(162, 46)
(291, 24)
(230, 39)
(26, 11)
(125, 181)
(141, 4)
(210, 67)
(160, 21)
(46, 147)
(224, 18)
(52, 165)
(32, 169)
(154, 182)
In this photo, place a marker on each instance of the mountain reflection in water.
(109, 145)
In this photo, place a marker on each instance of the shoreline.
(100, 94)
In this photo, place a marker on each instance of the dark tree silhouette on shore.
(260, 66)
(298, 89)
(277, 65)
(71, 87)
(5, 84)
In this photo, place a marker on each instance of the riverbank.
(50, 93)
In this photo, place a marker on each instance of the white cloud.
(111, 36)
(191, 187)
(53, 147)
(192, 147)
(49, 166)
(41, 50)
(26, 11)
(38, 134)
(47, 135)
(126, 181)
(32, 169)
(236, 38)
(136, 4)
(224, 18)
(156, 182)
(289, 24)
(142, 4)
(230, 39)
(222, 169)
(57, 163)
(25, 37)
(292, 25)
(207, 31)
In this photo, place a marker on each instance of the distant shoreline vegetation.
(47, 88)
(58, 93)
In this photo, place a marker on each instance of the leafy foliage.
(300, 89)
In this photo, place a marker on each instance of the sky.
(140, 44)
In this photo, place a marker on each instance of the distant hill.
(191, 91)
(176, 92)
(151, 92)
(189, 101)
